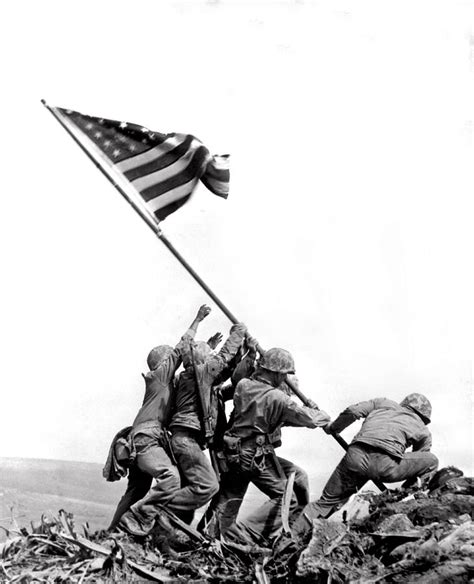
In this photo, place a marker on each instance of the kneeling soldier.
(377, 452)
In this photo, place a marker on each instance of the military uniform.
(260, 410)
(377, 452)
(198, 480)
(148, 434)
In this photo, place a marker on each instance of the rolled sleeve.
(355, 412)
(423, 442)
(295, 415)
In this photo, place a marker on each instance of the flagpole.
(148, 219)
(153, 224)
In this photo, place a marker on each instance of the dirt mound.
(420, 536)
(402, 536)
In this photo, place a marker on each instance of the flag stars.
(123, 125)
(107, 143)
(89, 126)
(98, 135)
(144, 130)
(116, 153)
(132, 147)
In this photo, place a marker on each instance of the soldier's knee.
(204, 492)
(168, 479)
(301, 476)
(434, 462)
(301, 486)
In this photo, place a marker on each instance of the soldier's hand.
(313, 405)
(239, 328)
(203, 312)
(251, 343)
(215, 340)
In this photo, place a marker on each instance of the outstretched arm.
(183, 349)
(353, 413)
(306, 416)
(203, 311)
(184, 345)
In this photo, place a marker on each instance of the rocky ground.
(424, 536)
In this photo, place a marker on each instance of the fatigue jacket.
(187, 408)
(388, 426)
(155, 411)
(260, 408)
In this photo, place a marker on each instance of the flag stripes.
(164, 169)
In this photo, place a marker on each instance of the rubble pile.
(424, 536)
(415, 535)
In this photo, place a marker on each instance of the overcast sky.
(347, 237)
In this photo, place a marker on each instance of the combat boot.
(135, 524)
(164, 531)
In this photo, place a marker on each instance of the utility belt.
(371, 448)
(260, 443)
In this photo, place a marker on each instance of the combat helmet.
(278, 360)
(157, 355)
(420, 404)
(201, 352)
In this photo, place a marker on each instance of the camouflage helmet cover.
(420, 403)
(201, 352)
(278, 360)
(157, 355)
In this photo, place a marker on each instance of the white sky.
(347, 237)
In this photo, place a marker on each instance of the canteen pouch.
(232, 447)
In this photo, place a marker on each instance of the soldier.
(149, 436)
(377, 452)
(199, 482)
(261, 408)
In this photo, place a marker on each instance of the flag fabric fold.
(164, 169)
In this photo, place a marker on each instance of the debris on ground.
(408, 536)
(400, 535)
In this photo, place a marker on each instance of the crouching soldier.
(261, 408)
(149, 437)
(377, 452)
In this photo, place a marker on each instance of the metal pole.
(154, 226)
(152, 223)
(196, 276)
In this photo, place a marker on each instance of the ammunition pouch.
(264, 451)
(232, 448)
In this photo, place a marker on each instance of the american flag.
(164, 169)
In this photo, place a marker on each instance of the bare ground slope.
(30, 488)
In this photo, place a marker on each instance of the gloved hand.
(251, 343)
(238, 328)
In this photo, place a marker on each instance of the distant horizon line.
(49, 459)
